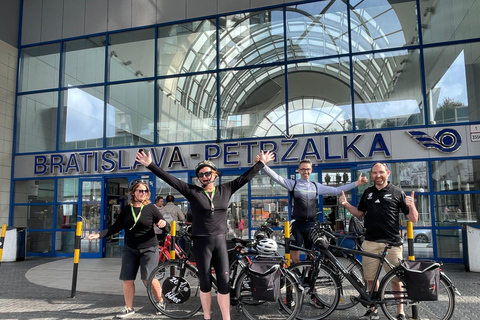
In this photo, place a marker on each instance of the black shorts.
(146, 259)
(300, 233)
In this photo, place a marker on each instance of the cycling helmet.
(267, 246)
(259, 235)
(134, 182)
(205, 163)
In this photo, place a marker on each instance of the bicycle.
(442, 308)
(180, 287)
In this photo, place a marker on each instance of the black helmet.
(134, 182)
(205, 163)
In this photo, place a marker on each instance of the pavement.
(41, 288)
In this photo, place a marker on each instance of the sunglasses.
(141, 191)
(207, 174)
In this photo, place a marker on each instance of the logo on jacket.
(370, 196)
(446, 140)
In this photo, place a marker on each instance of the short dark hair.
(305, 161)
(170, 198)
(382, 163)
(158, 198)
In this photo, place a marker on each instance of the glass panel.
(449, 20)
(251, 38)
(449, 243)
(163, 189)
(187, 47)
(39, 242)
(383, 24)
(388, 90)
(67, 216)
(131, 114)
(263, 186)
(249, 102)
(39, 67)
(83, 118)
(67, 190)
(84, 61)
(33, 217)
(317, 29)
(28, 191)
(65, 241)
(131, 54)
(91, 213)
(455, 209)
(413, 176)
(313, 108)
(451, 83)
(422, 243)
(187, 109)
(274, 211)
(456, 175)
(37, 122)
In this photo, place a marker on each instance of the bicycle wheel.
(285, 308)
(177, 282)
(348, 290)
(441, 309)
(321, 300)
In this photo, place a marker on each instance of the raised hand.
(410, 200)
(265, 156)
(144, 158)
(361, 180)
(343, 200)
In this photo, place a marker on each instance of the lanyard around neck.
(210, 197)
(135, 218)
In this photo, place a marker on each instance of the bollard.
(173, 232)
(76, 257)
(411, 257)
(287, 242)
(2, 240)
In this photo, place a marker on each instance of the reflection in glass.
(455, 175)
(248, 100)
(448, 21)
(456, 209)
(163, 189)
(84, 61)
(449, 243)
(251, 38)
(83, 118)
(91, 213)
(132, 104)
(39, 242)
(34, 216)
(186, 47)
(386, 92)
(317, 29)
(450, 84)
(36, 122)
(274, 211)
(34, 191)
(67, 216)
(39, 67)
(383, 24)
(187, 109)
(131, 54)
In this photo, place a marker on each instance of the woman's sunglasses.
(207, 174)
(142, 191)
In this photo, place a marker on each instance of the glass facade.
(302, 70)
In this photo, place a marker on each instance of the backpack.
(264, 273)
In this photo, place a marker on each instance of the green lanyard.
(135, 218)
(210, 197)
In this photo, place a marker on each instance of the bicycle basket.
(422, 278)
(264, 273)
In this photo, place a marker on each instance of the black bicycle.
(178, 283)
(326, 290)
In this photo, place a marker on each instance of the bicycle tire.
(282, 309)
(326, 291)
(348, 291)
(441, 309)
(180, 289)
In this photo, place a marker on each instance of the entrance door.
(91, 213)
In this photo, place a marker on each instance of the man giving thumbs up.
(380, 206)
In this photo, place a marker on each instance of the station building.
(85, 83)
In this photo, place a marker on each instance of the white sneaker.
(127, 312)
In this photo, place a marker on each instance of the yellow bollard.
(2, 240)
(411, 254)
(173, 232)
(76, 258)
(287, 243)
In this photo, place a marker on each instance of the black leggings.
(211, 252)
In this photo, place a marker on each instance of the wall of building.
(8, 73)
(71, 18)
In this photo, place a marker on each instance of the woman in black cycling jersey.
(209, 205)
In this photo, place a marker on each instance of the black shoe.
(316, 303)
(401, 317)
(370, 315)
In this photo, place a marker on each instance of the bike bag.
(264, 273)
(422, 279)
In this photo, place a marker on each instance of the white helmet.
(267, 246)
